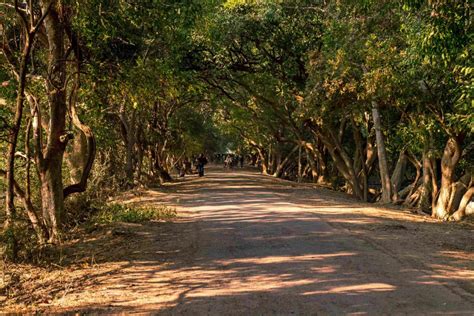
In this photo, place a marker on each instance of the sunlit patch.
(287, 259)
(461, 255)
(355, 289)
(449, 272)
(254, 283)
(326, 269)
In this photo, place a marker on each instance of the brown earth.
(249, 244)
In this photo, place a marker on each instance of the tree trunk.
(459, 189)
(382, 155)
(281, 164)
(461, 211)
(451, 155)
(359, 161)
(398, 174)
(263, 161)
(425, 197)
(52, 200)
(163, 175)
(50, 167)
(342, 161)
(409, 190)
(76, 156)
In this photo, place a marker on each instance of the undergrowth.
(83, 215)
(111, 213)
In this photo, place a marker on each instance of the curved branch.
(91, 149)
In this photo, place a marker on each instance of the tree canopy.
(374, 98)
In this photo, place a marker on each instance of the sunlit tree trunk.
(451, 156)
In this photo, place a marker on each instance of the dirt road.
(253, 245)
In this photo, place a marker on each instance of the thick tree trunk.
(451, 155)
(263, 162)
(50, 167)
(461, 211)
(459, 188)
(52, 199)
(382, 155)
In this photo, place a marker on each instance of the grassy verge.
(111, 213)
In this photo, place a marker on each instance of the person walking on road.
(201, 162)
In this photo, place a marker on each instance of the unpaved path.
(253, 245)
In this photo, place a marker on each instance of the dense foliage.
(374, 98)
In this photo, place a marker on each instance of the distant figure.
(241, 160)
(201, 162)
(228, 162)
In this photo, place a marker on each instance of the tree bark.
(409, 190)
(76, 156)
(382, 155)
(50, 167)
(461, 211)
(398, 174)
(451, 156)
(425, 197)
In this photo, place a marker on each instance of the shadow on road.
(253, 244)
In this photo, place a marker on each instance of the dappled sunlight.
(356, 289)
(449, 272)
(249, 240)
(280, 259)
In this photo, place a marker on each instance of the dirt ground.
(248, 244)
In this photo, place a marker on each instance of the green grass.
(111, 213)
